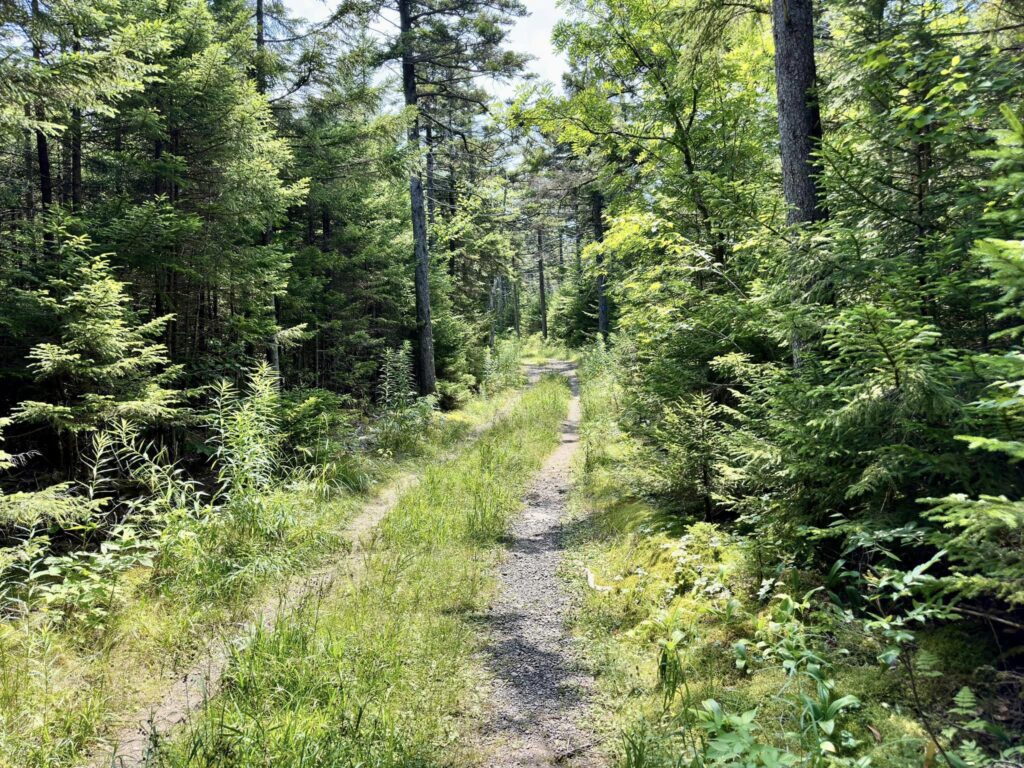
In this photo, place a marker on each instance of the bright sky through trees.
(531, 35)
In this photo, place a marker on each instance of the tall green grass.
(383, 671)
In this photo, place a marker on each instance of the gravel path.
(540, 694)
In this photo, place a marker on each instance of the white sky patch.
(531, 34)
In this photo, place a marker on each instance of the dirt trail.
(540, 695)
(132, 745)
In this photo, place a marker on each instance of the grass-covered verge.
(106, 635)
(707, 654)
(384, 670)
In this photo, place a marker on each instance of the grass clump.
(382, 671)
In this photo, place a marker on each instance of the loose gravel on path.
(540, 694)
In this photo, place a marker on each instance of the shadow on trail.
(540, 693)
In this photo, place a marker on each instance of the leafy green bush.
(82, 586)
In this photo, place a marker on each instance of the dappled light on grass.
(382, 670)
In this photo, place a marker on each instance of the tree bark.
(30, 171)
(578, 249)
(799, 112)
(42, 143)
(515, 297)
(431, 183)
(76, 159)
(597, 211)
(421, 252)
(491, 313)
(261, 44)
(273, 345)
(543, 288)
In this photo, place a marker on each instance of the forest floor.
(540, 695)
(531, 712)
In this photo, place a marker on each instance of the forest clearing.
(512, 383)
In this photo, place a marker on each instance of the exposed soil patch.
(541, 694)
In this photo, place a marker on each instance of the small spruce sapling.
(105, 364)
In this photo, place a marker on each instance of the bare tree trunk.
(491, 312)
(799, 111)
(76, 159)
(42, 143)
(261, 45)
(800, 130)
(74, 180)
(425, 347)
(30, 171)
(273, 345)
(543, 288)
(597, 211)
(431, 186)
(515, 297)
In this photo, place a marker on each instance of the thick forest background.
(790, 233)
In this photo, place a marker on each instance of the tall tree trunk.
(431, 183)
(63, 180)
(42, 143)
(262, 84)
(28, 150)
(543, 288)
(578, 245)
(597, 212)
(453, 183)
(261, 46)
(799, 111)
(76, 159)
(799, 119)
(424, 330)
(491, 313)
(76, 144)
(515, 297)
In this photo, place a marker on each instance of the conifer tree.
(104, 364)
(443, 47)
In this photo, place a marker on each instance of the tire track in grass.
(132, 745)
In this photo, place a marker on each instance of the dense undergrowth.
(383, 672)
(711, 651)
(109, 583)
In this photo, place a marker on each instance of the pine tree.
(442, 48)
(105, 364)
